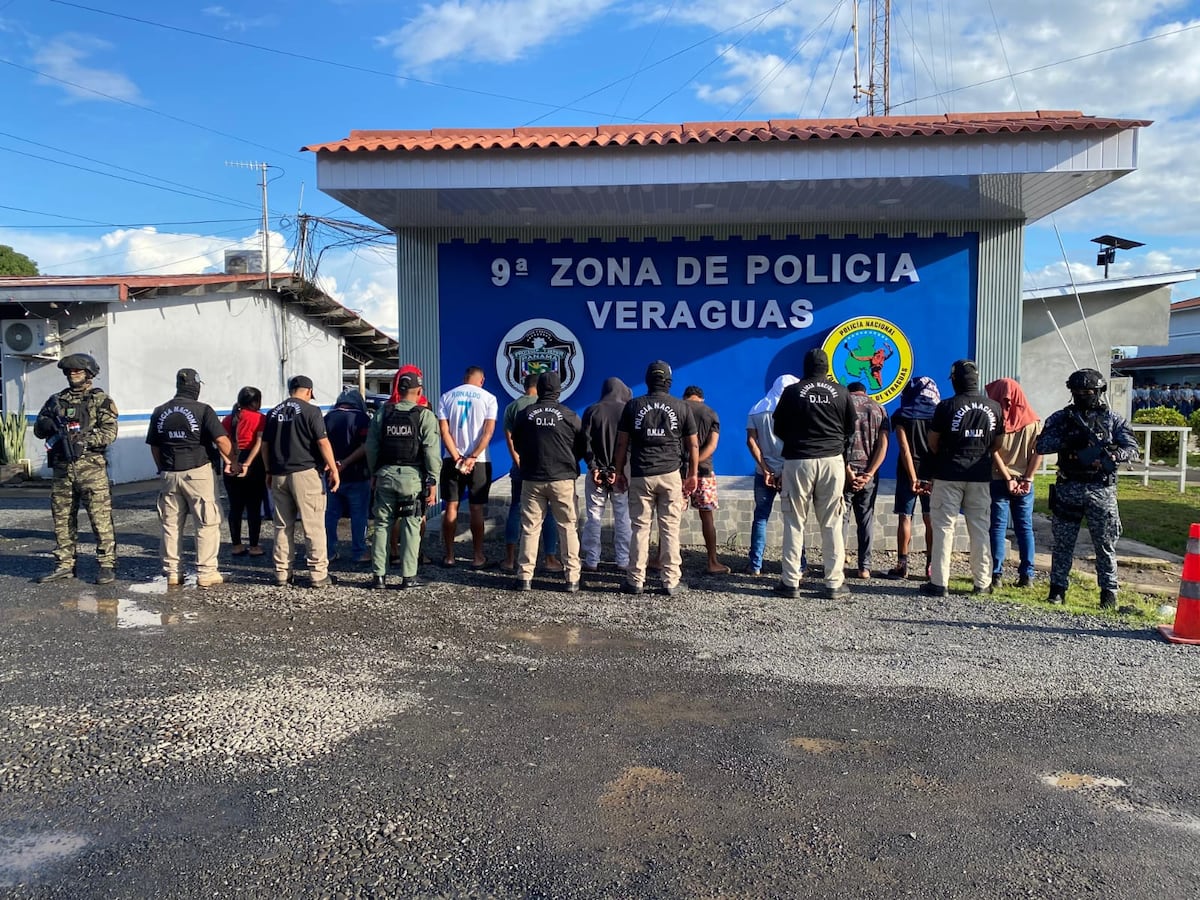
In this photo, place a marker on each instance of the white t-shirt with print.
(465, 409)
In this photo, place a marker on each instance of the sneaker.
(929, 589)
(378, 582)
(841, 592)
(787, 591)
(756, 573)
(1024, 581)
(572, 587)
(1108, 599)
(321, 584)
(411, 581)
(997, 581)
(1058, 594)
(628, 588)
(207, 581)
(676, 589)
(590, 568)
(106, 575)
(58, 574)
(522, 585)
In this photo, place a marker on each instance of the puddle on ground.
(128, 613)
(23, 856)
(159, 585)
(574, 637)
(1074, 781)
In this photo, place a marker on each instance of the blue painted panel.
(729, 315)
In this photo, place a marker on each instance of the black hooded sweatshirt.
(967, 425)
(657, 425)
(815, 416)
(600, 421)
(548, 436)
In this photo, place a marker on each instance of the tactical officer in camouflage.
(1091, 441)
(79, 424)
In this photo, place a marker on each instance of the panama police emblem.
(873, 351)
(536, 346)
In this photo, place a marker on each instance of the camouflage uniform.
(1083, 491)
(81, 424)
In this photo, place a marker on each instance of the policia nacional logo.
(873, 351)
(536, 346)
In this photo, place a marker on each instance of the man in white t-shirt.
(466, 419)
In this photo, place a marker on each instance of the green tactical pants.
(391, 484)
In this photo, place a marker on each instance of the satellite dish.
(19, 337)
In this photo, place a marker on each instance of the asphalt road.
(462, 740)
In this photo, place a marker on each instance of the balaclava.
(187, 384)
(549, 386)
(964, 376)
(816, 363)
(658, 376)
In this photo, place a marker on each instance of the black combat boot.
(1108, 599)
(106, 575)
(1058, 594)
(60, 572)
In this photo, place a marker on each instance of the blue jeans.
(764, 500)
(1020, 508)
(353, 499)
(512, 525)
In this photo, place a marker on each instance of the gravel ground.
(463, 740)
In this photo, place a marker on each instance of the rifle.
(1096, 450)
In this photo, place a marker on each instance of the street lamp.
(1109, 245)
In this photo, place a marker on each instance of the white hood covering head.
(769, 402)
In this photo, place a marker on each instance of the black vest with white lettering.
(400, 441)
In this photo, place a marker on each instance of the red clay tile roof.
(724, 132)
(1186, 304)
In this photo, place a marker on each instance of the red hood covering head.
(404, 370)
(1012, 400)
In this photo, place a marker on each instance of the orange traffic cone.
(1187, 613)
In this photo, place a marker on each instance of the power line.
(1049, 65)
(309, 58)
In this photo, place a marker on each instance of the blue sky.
(121, 116)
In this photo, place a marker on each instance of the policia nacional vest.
(400, 444)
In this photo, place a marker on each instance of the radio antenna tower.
(879, 28)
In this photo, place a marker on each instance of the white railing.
(1144, 471)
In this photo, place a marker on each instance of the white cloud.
(364, 280)
(486, 30)
(231, 21)
(64, 57)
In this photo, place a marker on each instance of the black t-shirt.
(707, 421)
(292, 431)
(657, 425)
(814, 419)
(183, 430)
(917, 432)
(550, 441)
(967, 424)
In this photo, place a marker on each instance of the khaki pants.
(974, 498)
(650, 494)
(559, 498)
(819, 484)
(300, 494)
(190, 491)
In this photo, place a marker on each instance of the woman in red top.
(247, 489)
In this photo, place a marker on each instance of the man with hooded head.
(600, 421)
(79, 424)
(1091, 441)
(180, 435)
(965, 431)
(767, 452)
(549, 441)
(814, 421)
(655, 432)
(346, 426)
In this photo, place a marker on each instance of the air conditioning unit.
(243, 262)
(30, 338)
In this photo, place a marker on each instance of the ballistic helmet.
(1087, 387)
(84, 362)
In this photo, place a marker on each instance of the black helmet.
(83, 361)
(1086, 380)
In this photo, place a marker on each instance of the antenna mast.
(879, 30)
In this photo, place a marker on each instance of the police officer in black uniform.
(1091, 441)
(404, 454)
(550, 441)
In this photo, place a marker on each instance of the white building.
(141, 329)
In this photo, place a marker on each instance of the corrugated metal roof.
(775, 130)
(363, 341)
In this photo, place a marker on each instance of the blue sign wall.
(729, 315)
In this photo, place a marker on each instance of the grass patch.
(1083, 598)
(1155, 514)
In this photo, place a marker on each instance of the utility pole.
(879, 30)
(266, 232)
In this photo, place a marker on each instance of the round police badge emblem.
(873, 351)
(536, 346)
